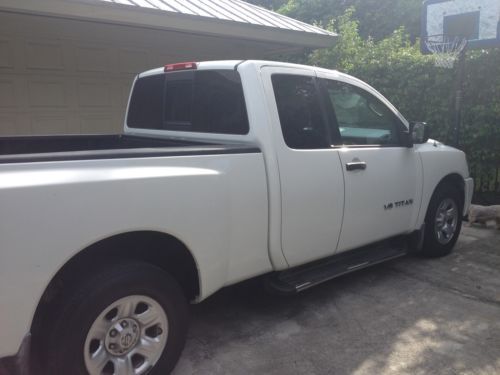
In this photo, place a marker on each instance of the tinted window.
(178, 102)
(201, 101)
(300, 112)
(362, 118)
(219, 102)
(146, 103)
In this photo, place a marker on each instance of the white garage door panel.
(7, 93)
(6, 53)
(132, 60)
(94, 93)
(44, 54)
(93, 59)
(50, 92)
(14, 124)
(92, 124)
(51, 123)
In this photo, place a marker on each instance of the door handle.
(358, 165)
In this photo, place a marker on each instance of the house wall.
(67, 76)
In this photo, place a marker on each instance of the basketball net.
(445, 49)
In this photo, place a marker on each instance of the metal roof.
(234, 19)
(228, 10)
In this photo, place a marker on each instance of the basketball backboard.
(475, 20)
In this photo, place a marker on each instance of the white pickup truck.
(226, 171)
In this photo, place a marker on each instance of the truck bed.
(82, 147)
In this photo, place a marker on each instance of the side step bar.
(306, 276)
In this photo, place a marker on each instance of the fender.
(440, 162)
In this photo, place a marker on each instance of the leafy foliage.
(269, 4)
(377, 18)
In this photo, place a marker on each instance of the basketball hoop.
(446, 49)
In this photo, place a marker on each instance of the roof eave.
(154, 19)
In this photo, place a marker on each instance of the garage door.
(66, 76)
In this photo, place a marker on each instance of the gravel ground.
(409, 316)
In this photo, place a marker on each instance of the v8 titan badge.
(391, 205)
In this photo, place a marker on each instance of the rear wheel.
(443, 221)
(127, 320)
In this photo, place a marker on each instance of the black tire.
(432, 246)
(78, 309)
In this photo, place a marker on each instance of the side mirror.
(406, 138)
(419, 132)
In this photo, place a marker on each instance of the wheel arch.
(432, 185)
(157, 248)
(434, 245)
(456, 180)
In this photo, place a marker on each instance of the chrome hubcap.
(127, 338)
(446, 221)
(122, 336)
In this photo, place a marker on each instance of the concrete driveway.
(409, 316)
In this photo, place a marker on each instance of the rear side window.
(209, 101)
(300, 112)
(146, 103)
(219, 102)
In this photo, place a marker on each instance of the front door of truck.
(311, 178)
(382, 190)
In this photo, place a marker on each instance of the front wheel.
(130, 319)
(443, 222)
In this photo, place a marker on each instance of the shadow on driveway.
(409, 316)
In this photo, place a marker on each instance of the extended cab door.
(382, 177)
(311, 178)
